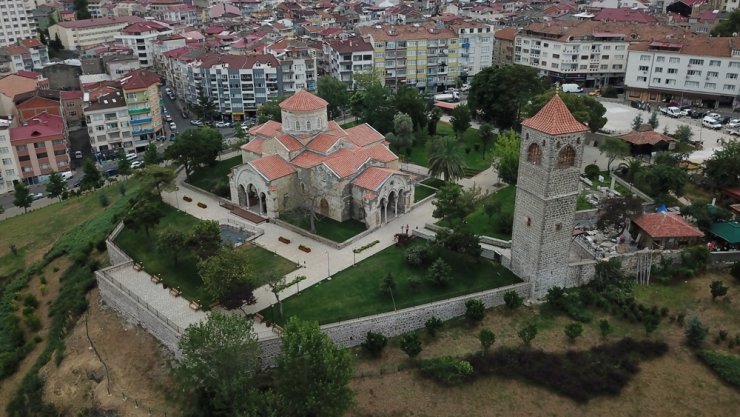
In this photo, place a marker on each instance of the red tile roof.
(138, 79)
(374, 177)
(291, 144)
(363, 135)
(272, 167)
(70, 95)
(555, 119)
(649, 137)
(666, 225)
(268, 129)
(323, 142)
(254, 145)
(307, 160)
(624, 15)
(347, 161)
(40, 126)
(303, 101)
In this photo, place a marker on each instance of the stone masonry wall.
(115, 254)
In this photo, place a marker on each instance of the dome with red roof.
(303, 101)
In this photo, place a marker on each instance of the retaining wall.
(115, 254)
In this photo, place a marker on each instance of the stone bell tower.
(547, 188)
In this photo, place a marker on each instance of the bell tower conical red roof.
(555, 119)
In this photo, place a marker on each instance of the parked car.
(196, 122)
(711, 123)
(161, 138)
(222, 124)
(37, 196)
(671, 111)
(465, 87)
(715, 116)
(137, 164)
(168, 118)
(724, 120)
(131, 156)
(168, 90)
(697, 114)
(733, 123)
(78, 154)
(173, 126)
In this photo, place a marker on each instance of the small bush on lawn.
(475, 310)
(573, 331)
(447, 370)
(439, 273)
(374, 344)
(726, 366)
(433, 325)
(411, 344)
(33, 322)
(513, 300)
(580, 375)
(528, 333)
(605, 328)
(718, 289)
(30, 300)
(695, 332)
(487, 338)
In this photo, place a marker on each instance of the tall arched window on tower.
(308, 125)
(297, 125)
(566, 157)
(534, 154)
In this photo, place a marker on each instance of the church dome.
(303, 101)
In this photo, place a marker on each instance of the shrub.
(605, 328)
(439, 273)
(447, 370)
(717, 289)
(375, 343)
(104, 201)
(504, 223)
(573, 331)
(592, 171)
(30, 300)
(726, 366)
(365, 247)
(695, 332)
(433, 325)
(528, 333)
(487, 338)
(411, 344)
(417, 255)
(513, 300)
(101, 246)
(33, 322)
(475, 310)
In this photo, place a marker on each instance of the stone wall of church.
(304, 123)
(273, 147)
(334, 191)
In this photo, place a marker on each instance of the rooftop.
(699, 46)
(138, 79)
(666, 225)
(406, 32)
(40, 126)
(555, 119)
(303, 101)
(649, 137)
(272, 167)
(103, 21)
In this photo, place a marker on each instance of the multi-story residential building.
(71, 102)
(299, 62)
(503, 47)
(237, 83)
(26, 55)
(584, 52)
(698, 71)
(15, 21)
(347, 57)
(40, 147)
(730, 5)
(183, 14)
(476, 45)
(84, 33)
(175, 67)
(9, 169)
(139, 37)
(141, 91)
(418, 55)
(108, 123)
(165, 44)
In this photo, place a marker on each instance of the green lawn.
(475, 159)
(184, 274)
(421, 192)
(213, 178)
(478, 222)
(582, 203)
(354, 292)
(326, 227)
(434, 182)
(607, 183)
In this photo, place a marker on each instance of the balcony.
(141, 121)
(142, 132)
(142, 110)
(465, 45)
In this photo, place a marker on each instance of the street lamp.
(328, 269)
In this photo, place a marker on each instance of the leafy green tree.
(605, 328)
(653, 120)
(91, 177)
(505, 156)
(705, 214)
(172, 241)
(387, 285)
(492, 208)
(585, 109)
(487, 338)
(403, 132)
(718, 289)
(205, 238)
(365, 80)
(195, 147)
(486, 135)
(451, 205)
(573, 331)
(695, 332)
(411, 344)
(446, 159)
(22, 197)
(614, 148)
(124, 165)
(145, 213)
(407, 100)
(224, 271)
(513, 300)
(220, 367)
(475, 310)
(498, 95)
(56, 186)
(439, 272)
(460, 120)
(335, 93)
(375, 106)
(614, 212)
(375, 343)
(528, 333)
(723, 167)
(728, 27)
(80, 8)
(683, 133)
(151, 157)
(435, 115)
(433, 325)
(312, 373)
(277, 283)
(205, 108)
(661, 179)
(155, 178)
(637, 122)
(239, 133)
(270, 110)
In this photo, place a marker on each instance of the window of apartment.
(583, 67)
(691, 84)
(672, 70)
(660, 59)
(658, 69)
(21, 148)
(643, 68)
(731, 76)
(693, 72)
(7, 161)
(655, 80)
(10, 172)
(715, 63)
(710, 85)
(606, 47)
(24, 158)
(5, 150)
(617, 66)
(553, 65)
(729, 87)
(734, 65)
(619, 48)
(641, 79)
(695, 61)
(605, 57)
(645, 58)
(670, 82)
(27, 169)
(604, 67)
(379, 45)
(712, 74)
(297, 125)
(674, 60)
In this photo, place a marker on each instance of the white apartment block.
(9, 169)
(348, 57)
(16, 21)
(476, 46)
(730, 5)
(28, 55)
(85, 33)
(696, 71)
(587, 53)
(299, 63)
(139, 37)
(109, 124)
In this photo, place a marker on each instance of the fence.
(255, 231)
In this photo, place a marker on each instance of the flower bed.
(368, 246)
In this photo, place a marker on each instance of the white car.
(734, 123)
(711, 123)
(173, 126)
(168, 118)
(137, 164)
(196, 122)
(222, 124)
(733, 132)
(37, 196)
(715, 116)
(465, 87)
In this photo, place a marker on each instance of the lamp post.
(177, 200)
(328, 269)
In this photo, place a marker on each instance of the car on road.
(161, 138)
(168, 90)
(173, 126)
(168, 118)
(196, 122)
(37, 196)
(711, 123)
(137, 164)
(715, 116)
(185, 115)
(78, 154)
(697, 114)
(733, 123)
(465, 87)
(131, 156)
(222, 124)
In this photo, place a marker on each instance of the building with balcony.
(40, 147)
(299, 63)
(587, 53)
(348, 57)
(16, 21)
(109, 124)
(79, 34)
(476, 45)
(9, 169)
(141, 91)
(184, 14)
(692, 71)
(26, 55)
(139, 37)
(503, 47)
(424, 56)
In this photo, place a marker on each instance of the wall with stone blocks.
(136, 313)
(115, 254)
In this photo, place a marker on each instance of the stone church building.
(310, 161)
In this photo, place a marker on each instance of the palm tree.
(446, 160)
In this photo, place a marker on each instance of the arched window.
(308, 125)
(297, 125)
(567, 157)
(534, 154)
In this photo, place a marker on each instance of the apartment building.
(109, 124)
(503, 46)
(79, 34)
(587, 53)
(184, 14)
(40, 147)
(347, 57)
(692, 71)
(175, 67)
(299, 62)
(476, 45)
(25, 55)
(15, 21)
(237, 83)
(418, 55)
(140, 36)
(9, 169)
(141, 92)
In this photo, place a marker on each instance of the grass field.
(354, 292)
(478, 223)
(213, 179)
(421, 192)
(475, 160)
(326, 227)
(184, 274)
